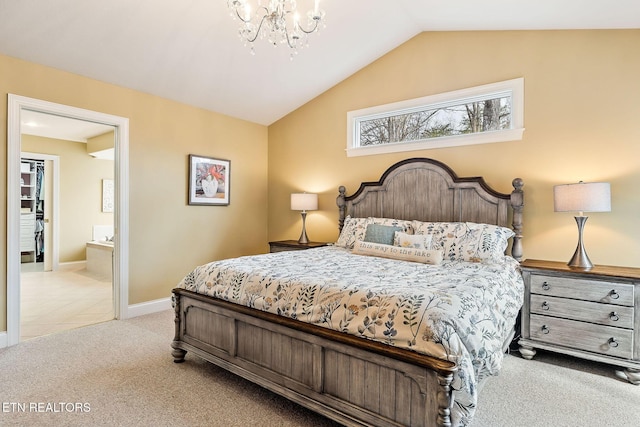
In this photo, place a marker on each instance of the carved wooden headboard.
(428, 190)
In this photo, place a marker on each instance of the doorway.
(17, 105)
(77, 289)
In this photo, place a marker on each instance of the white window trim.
(514, 88)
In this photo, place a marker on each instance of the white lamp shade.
(304, 202)
(582, 197)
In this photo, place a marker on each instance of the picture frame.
(107, 195)
(209, 181)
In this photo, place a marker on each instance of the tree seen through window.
(470, 117)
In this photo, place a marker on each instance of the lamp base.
(303, 236)
(580, 259)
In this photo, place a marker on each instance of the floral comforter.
(458, 311)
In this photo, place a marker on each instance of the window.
(478, 115)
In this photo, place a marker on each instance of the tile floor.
(56, 301)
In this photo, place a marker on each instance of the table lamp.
(304, 202)
(582, 197)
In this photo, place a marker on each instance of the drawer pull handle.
(612, 342)
(614, 316)
(613, 294)
(546, 287)
(545, 305)
(545, 330)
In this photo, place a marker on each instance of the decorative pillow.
(407, 226)
(353, 229)
(467, 241)
(378, 233)
(424, 256)
(416, 241)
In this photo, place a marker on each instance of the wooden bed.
(349, 379)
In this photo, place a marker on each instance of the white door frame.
(16, 104)
(55, 211)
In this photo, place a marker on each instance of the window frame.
(513, 88)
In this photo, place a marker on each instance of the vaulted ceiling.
(189, 51)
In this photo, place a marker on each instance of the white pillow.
(467, 241)
(352, 229)
(424, 256)
(416, 241)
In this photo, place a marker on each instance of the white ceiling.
(52, 126)
(188, 50)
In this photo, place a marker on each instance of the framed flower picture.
(208, 180)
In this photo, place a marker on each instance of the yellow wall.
(167, 236)
(80, 192)
(101, 142)
(581, 119)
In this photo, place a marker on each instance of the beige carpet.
(560, 391)
(120, 373)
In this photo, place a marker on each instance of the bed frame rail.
(320, 369)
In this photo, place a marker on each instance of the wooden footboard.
(354, 381)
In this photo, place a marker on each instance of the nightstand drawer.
(275, 248)
(594, 312)
(588, 290)
(607, 340)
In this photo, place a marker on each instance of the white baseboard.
(3, 339)
(149, 307)
(72, 265)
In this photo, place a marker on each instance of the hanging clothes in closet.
(39, 229)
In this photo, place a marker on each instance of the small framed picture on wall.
(208, 180)
(107, 195)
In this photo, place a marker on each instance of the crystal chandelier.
(277, 21)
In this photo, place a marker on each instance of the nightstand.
(592, 314)
(293, 245)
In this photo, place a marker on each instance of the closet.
(31, 210)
